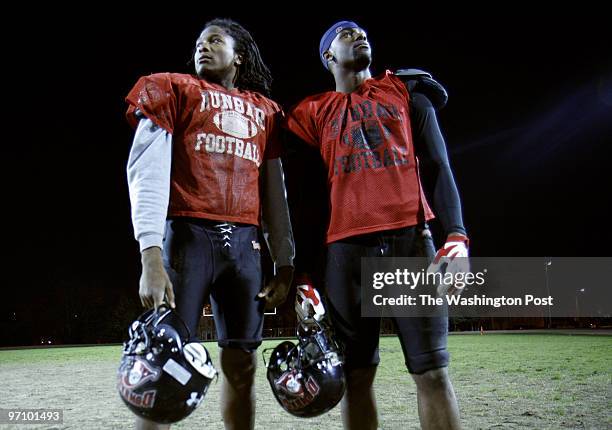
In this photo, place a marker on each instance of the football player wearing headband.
(371, 132)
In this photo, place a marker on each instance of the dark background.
(528, 127)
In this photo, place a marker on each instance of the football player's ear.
(328, 56)
(237, 60)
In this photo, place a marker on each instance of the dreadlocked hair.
(253, 74)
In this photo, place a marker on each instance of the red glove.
(456, 246)
(307, 300)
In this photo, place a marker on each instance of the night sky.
(528, 128)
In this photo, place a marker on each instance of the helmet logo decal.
(194, 399)
(140, 373)
(144, 400)
(288, 382)
(132, 378)
(298, 394)
(197, 356)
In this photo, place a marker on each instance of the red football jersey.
(365, 139)
(219, 140)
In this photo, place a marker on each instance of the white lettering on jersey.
(215, 99)
(227, 102)
(207, 139)
(260, 116)
(247, 151)
(220, 144)
(238, 105)
(239, 147)
(205, 105)
(237, 110)
(228, 145)
(229, 141)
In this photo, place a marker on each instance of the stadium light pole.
(581, 290)
(546, 265)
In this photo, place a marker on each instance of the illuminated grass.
(501, 381)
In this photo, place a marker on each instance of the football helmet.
(307, 379)
(162, 377)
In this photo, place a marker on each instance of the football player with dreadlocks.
(203, 165)
(367, 132)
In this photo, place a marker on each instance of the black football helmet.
(162, 378)
(307, 379)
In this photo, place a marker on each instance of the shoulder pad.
(420, 81)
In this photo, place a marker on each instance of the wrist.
(303, 278)
(458, 237)
(151, 255)
(285, 271)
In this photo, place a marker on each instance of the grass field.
(503, 381)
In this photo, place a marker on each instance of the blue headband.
(330, 35)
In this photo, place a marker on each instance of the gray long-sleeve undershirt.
(148, 172)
